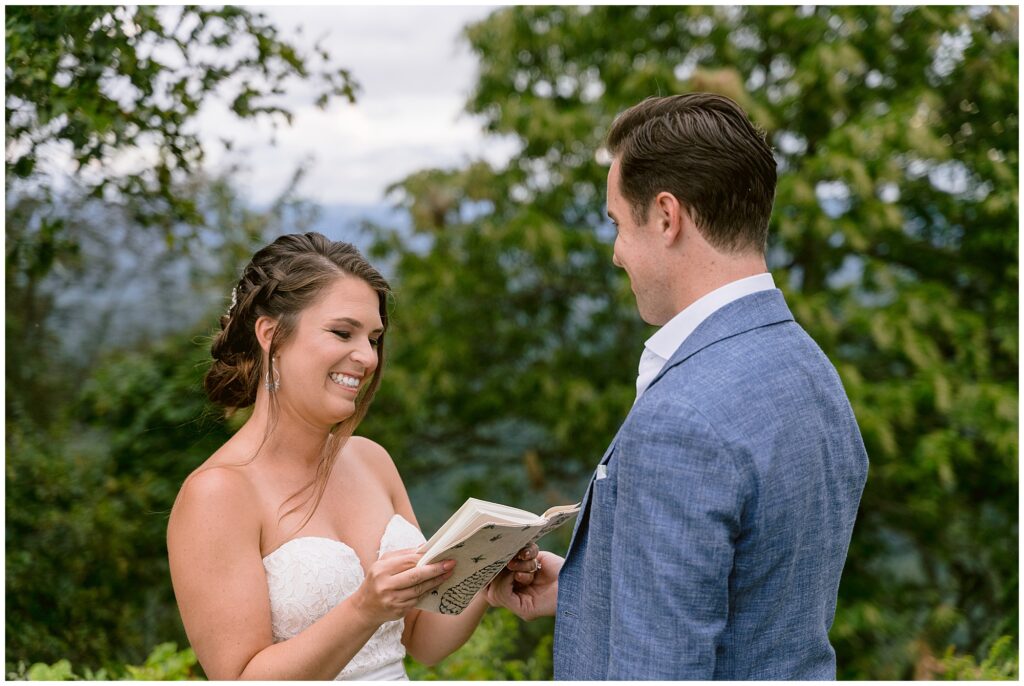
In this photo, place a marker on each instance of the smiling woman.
(331, 355)
(291, 547)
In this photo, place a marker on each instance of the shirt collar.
(669, 337)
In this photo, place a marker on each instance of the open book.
(482, 537)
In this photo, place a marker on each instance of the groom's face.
(636, 251)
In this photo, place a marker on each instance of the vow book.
(482, 537)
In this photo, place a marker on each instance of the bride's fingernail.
(448, 564)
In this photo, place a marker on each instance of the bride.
(292, 547)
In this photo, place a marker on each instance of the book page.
(471, 516)
(551, 511)
(479, 557)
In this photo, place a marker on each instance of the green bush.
(87, 506)
(514, 335)
(165, 663)
(1002, 663)
(503, 648)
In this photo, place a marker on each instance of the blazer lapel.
(585, 504)
(749, 312)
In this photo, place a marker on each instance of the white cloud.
(416, 74)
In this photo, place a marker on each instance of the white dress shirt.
(663, 344)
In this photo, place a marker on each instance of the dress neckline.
(344, 545)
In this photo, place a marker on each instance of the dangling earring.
(274, 385)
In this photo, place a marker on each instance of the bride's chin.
(340, 413)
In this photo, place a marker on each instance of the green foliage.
(894, 237)
(106, 80)
(165, 663)
(116, 90)
(1001, 664)
(87, 507)
(514, 348)
(101, 433)
(97, 447)
(502, 649)
(105, 296)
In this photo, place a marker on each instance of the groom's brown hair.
(701, 148)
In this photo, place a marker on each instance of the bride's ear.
(265, 328)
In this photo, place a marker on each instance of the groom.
(714, 531)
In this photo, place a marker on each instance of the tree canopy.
(894, 238)
(102, 82)
(101, 136)
(105, 174)
(515, 341)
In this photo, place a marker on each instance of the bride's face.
(332, 354)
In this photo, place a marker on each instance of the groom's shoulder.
(750, 357)
(741, 376)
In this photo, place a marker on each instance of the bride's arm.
(428, 637)
(220, 584)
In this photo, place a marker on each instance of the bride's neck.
(284, 437)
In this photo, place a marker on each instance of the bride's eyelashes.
(346, 336)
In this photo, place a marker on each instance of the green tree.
(502, 648)
(113, 92)
(92, 475)
(894, 238)
(100, 82)
(87, 506)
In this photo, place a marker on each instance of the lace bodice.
(308, 576)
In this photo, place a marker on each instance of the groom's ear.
(671, 216)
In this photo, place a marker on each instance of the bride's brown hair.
(280, 281)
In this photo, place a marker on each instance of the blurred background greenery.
(515, 340)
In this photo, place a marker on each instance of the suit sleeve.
(677, 518)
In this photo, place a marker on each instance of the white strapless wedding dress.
(308, 576)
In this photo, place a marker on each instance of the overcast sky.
(415, 74)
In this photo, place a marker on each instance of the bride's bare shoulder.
(223, 473)
(220, 489)
(366, 449)
(371, 455)
(382, 466)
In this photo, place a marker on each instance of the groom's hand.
(528, 601)
(524, 565)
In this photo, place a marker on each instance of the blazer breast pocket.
(605, 487)
(601, 525)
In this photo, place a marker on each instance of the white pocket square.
(602, 472)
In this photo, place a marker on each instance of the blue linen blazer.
(713, 547)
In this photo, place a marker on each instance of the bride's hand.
(394, 583)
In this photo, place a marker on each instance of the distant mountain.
(343, 222)
(144, 292)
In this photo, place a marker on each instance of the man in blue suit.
(715, 528)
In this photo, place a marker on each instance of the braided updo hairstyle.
(282, 280)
